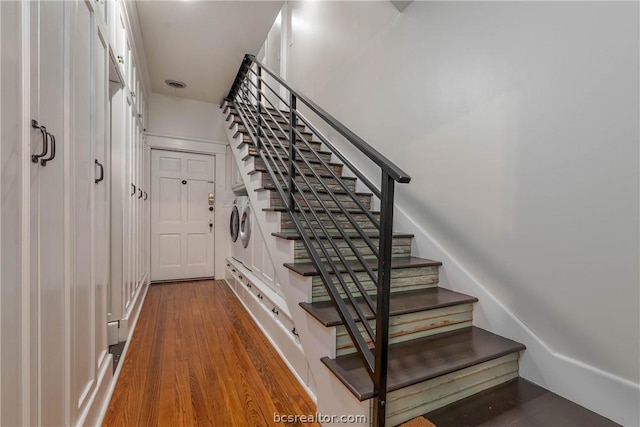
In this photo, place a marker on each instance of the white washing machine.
(244, 232)
(237, 249)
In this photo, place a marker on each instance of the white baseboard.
(92, 415)
(127, 323)
(100, 406)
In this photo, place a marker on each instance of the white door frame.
(224, 196)
(198, 149)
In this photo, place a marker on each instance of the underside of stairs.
(333, 226)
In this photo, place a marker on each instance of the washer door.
(234, 223)
(245, 226)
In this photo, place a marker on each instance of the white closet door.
(102, 172)
(47, 216)
(82, 183)
(182, 239)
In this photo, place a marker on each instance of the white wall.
(518, 122)
(186, 118)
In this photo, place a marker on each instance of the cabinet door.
(47, 214)
(120, 191)
(102, 171)
(82, 137)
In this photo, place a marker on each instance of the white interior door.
(182, 239)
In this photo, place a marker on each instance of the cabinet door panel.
(47, 212)
(101, 191)
(82, 291)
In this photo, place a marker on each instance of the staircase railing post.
(259, 98)
(384, 286)
(292, 151)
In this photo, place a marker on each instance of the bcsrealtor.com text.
(319, 418)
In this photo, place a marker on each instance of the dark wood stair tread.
(296, 236)
(309, 269)
(322, 173)
(353, 211)
(516, 403)
(298, 161)
(399, 303)
(418, 360)
(317, 190)
(301, 148)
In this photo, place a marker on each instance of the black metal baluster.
(292, 151)
(259, 101)
(384, 287)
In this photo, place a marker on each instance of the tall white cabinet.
(74, 234)
(130, 192)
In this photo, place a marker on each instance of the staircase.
(400, 339)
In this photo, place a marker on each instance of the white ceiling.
(201, 43)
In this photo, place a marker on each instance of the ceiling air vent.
(176, 84)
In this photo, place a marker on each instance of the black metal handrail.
(292, 165)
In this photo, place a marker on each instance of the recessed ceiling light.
(176, 84)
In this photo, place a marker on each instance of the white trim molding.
(191, 145)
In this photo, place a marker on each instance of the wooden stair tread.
(411, 362)
(308, 269)
(373, 234)
(301, 148)
(516, 403)
(317, 190)
(321, 174)
(299, 161)
(399, 303)
(306, 135)
(320, 210)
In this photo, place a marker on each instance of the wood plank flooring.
(197, 359)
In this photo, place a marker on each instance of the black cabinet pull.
(97, 180)
(134, 189)
(43, 162)
(275, 311)
(259, 296)
(145, 196)
(43, 131)
(139, 193)
(294, 332)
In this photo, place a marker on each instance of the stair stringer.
(331, 396)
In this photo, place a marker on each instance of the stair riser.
(314, 145)
(347, 202)
(402, 279)
(269, 124)
(410, 402)
(330, 222)
(401, 248)
(413, 325)
(302, 167)
(335, 230)
(284, 154)
(283, 125)
(332, 183)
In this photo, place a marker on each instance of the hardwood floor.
(197, 359)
